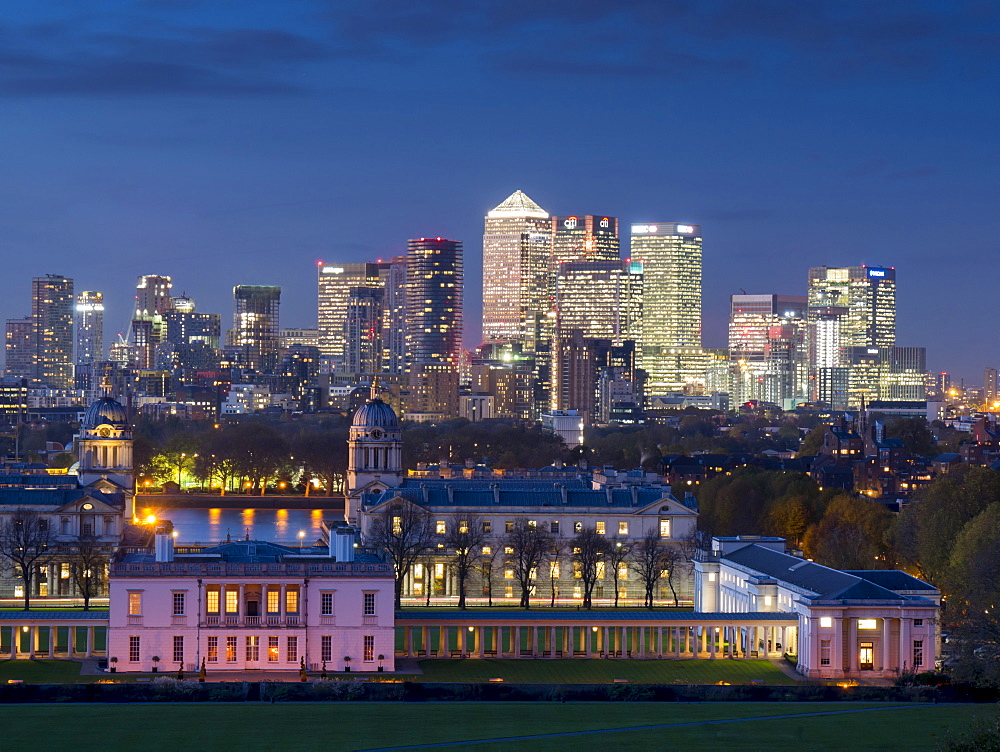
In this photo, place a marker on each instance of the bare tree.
(672, 559)
(586, 550)
(617, 556)
(530, 544)
(465, 540)
(487, 567)
(26, 542)
(87, 568)
(557, 551)
(647, 557)
(403, 532)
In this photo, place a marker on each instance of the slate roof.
(248, 552)
(892, 579)
(537, 496)
(824, 582)
(64, 615)
(590, 617)
(54, 497)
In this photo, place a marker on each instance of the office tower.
(334, 283)
(52, 331)
(185, 325)
(602, 299)
(152, 302)
(516, 249)
(433, 300)
(990, 386)
(850, 307)
(182, 304)
(767, 349)
(584, 238)
(363, 331)
(393, 279)
(89, 327)
(574, 372)
(13, 400)
(671, 258)
(868, 296)
(19, 346)
(290, 337)
(255, 325)
(298, 374)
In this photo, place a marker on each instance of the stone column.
(282, 603)
(425, 641)
(32, 641)
(837, 654)
(241, 608)
(887, 644)
(90, 642)
(905, 644)
(462, 632)
(852, 645)
(443, 642)
(480, 634)
(713, 637)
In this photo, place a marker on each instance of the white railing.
(292, 620)
(252, 621)
(212, 620)
(135, 620)
(273, 620)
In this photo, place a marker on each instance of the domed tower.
(104, 445)
(374, 452)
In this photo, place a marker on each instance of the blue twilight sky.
(238, 142)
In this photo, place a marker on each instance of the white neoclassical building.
(850, 624)
(249, 604)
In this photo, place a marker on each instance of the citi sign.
(876, 272)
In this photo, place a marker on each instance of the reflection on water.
(278, 525)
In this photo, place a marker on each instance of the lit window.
(711, 576)
(292, 601)
(826, 621)
(532, 523)
(253, 648)
(508, 574)
(487, 550)
(600, 527)
(665, 528)
(463, 526)
(213, 649)
(231, 649)
(133, 648)
(508, 526)
(272, 649)
(273, 601)
(134, 604)
(600, 570)
(622, 528)
(577, 526)
(487, 527)
(508, 549)
(397, 525)
(369, 654)
(867, 624)
(326, 648)
(232, 602)
(440, 528)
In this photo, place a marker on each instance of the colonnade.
(30, 638)
(591, 637)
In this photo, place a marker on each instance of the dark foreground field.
(486, 726)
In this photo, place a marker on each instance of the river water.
(213, 525)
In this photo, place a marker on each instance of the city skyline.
(224, 148)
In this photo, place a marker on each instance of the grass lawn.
(58, 672)
(596, 671)
(360, 726)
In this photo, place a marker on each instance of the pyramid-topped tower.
(518, 204)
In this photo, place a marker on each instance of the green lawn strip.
(909, 729)
(346, 726)
(43, 671)
(598, 671)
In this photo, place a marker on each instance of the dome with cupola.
(376, 414)
(105, 411)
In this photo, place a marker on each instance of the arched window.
(64, 526)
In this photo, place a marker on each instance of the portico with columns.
(55, 634)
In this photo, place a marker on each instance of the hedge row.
(166, 689)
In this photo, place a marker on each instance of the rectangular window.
(600, 527)
(231, 649)
(292, 649)
(487, 527)
(369, 648)
(508, 526)
(824, 652)
(326, 648)
(622, 527)
(133, 648)
(918, 653)
(623, 571)
(508, 574)
(212, 599)
(554, 527)
(826, 621)
(213, 649)
(397, 525)
(554, 570)
(274, 601)
(292, 601)
(440, 528)
(253, 648)
(918, 622)
(664, 528)
(272, 649)
(487, 550)
(532, 523)
(600, 570)
(64, 571)
(232, 602)
(577, 526)
(508, 591)
(867, 624)
(577, 570)
(369, 604)
(463, 526)
(178, 604)
(179, 649)
(135, 604)
(508, 549)
(326, 604)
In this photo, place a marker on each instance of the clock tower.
(104, 445)
(374, 452)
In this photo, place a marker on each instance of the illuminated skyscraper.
(767, 349)
(152, 302)
(516, 250)
(52, 330)
(89, 327)
(255, 325)
(393, 276)
(334, 283)
(671, 258)
(601, 299)
(363, 331)
(434, 274)
(849, 307)
(19, 346)
(585, 237)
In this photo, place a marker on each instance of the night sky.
(232, 143)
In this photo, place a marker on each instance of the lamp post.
(180, 465)
(302, 534)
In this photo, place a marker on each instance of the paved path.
(686, 724)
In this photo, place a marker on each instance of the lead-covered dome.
(105, 411)
(375, 414)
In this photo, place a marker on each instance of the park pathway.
(653, 727)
